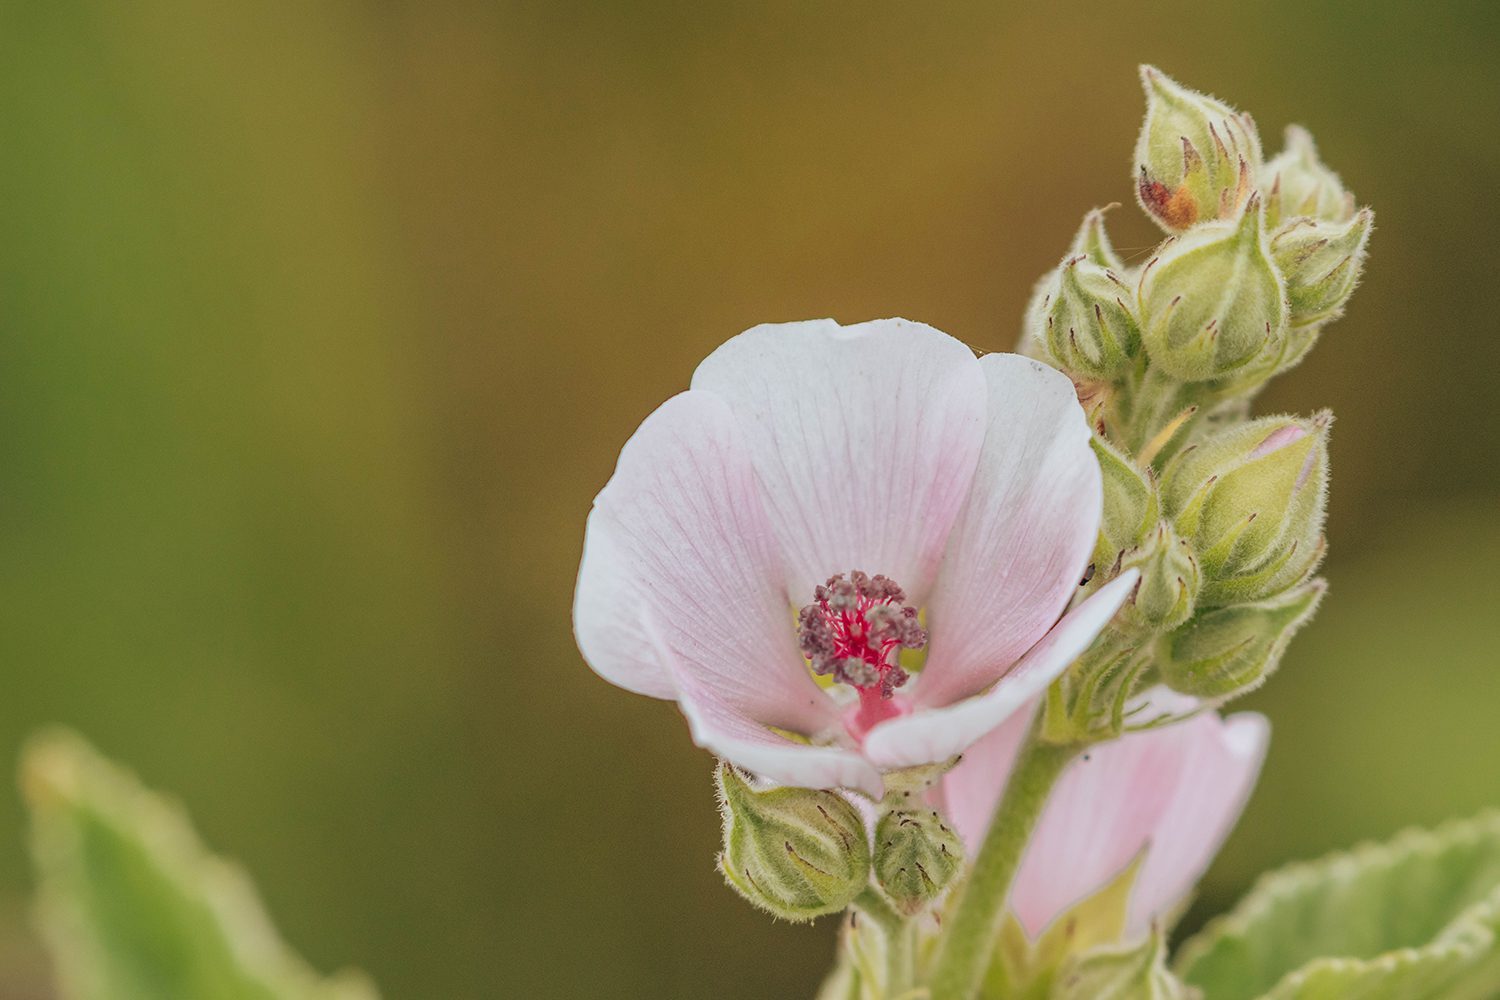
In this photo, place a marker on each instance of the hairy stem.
(968, 939)
(900, 940)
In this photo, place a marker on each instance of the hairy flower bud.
(1299, 184)
(798, 852)
(916, 856)
(1227, 652)
(1213, 301)
(1081, 314)
(1131, 504)
(1251, 500)
(1094, 243)
(1170, 579)
(1321, 262)
(1197, 158)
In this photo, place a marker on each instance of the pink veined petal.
(1171, 793)
(1103, 813)
(864, 440)
(685, 542)
(1221, 760)
(1024, 536)
(928, 735)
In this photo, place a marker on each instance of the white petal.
(864, 439)
(1221, 760)
(685, 539)
(928, 735)
(607, 607)
(1024, 537)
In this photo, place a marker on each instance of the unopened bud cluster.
(1222, 516)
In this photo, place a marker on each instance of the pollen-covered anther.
(854, 630)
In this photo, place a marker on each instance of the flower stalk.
(977, 911)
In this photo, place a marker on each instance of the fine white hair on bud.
(1300, 185)
(1321, 262)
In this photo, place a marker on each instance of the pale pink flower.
(1168, 795)
(859, 474)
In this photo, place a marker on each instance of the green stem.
(969, 937)
(900, 940)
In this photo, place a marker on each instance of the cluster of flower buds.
(1222, 516)
(802, 853)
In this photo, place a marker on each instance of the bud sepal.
(1299, 184)
(1082, 315)
(1170, 580)
(1251, 499)
(1321, 263)
(1213, 301)
(1225, 653)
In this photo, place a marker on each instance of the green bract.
(1170, 580)
(134, 908)
(1212, 301)
(1321, 262)
(1223, 653)
(1298, 183)
(1093, 242)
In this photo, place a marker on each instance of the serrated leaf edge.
(1465, 934)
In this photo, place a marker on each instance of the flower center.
(854, 630)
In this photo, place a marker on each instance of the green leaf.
(131, 904)
(1412, 919)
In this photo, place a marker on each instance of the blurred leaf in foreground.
(1417, 918)
(131, 904)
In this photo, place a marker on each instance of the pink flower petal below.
(1171, 794)
(864, 440)
(1023, 539)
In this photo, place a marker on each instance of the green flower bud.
(1212, 301)
(1080, 314)
(1300, 184)
(916, 856)
(1197, 157)
(1094, 243)
(798, 852)
(1170, 579)
(1227, 652)
(1321, 262)
(1131, 504)
(1251, 500)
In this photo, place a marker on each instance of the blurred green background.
(321, 323)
